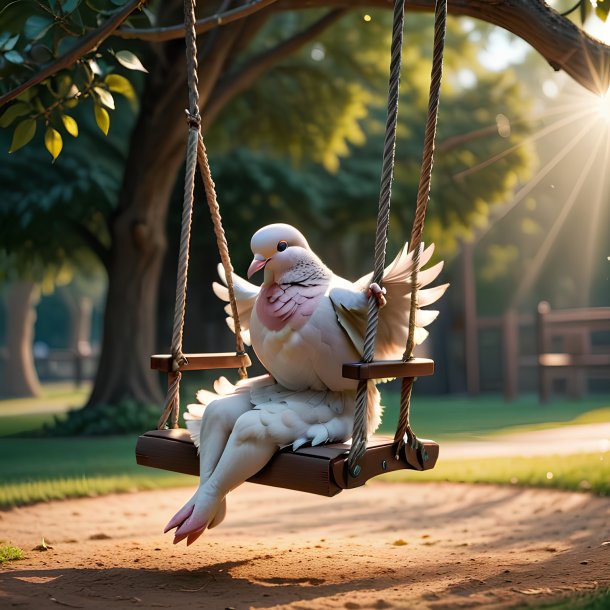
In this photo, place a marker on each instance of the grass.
(8, 552)
(35, 470)
(46, 469)
(463, 418)
(40, 469)
(597, 600)
(19, 415)
(581, 472)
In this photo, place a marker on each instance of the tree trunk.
(138, 246)
(80, 308)
(138, 232)
(20, 377)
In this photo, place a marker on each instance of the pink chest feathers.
(279, 305)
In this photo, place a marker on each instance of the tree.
(234, 58)
(52, 229)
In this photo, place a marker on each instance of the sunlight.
(603, 107)
(598, 29)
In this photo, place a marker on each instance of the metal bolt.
(384, 465)
(356, 470)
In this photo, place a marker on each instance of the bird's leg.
(217, 423)
(249, 448)
(379, 293)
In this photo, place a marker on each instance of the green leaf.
(70, 124)
(102, 118)
(119, 84)
(9, 44)
(37, 26)
(23, 133)
(602, 9)
(67, 6)
(128, 60)
(584, 9)
(40, 53)
(28, 94)
(53, 142)
(14, 57)
(149, 14)
(16, 110)
(64, 84)
(105, 97)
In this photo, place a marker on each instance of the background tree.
(236, 56)
(53, 231)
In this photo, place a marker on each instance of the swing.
(326, 469)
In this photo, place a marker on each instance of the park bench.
(573, 345)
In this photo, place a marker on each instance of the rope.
(423, 197)
(360, 431)
(195, 151)
(172, 399)
(223, 247)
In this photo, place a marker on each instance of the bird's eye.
(282, 245)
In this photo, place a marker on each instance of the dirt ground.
(431, 546)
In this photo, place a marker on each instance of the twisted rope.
(222, 245)
(403, 427)
(195, 151)
(360, 431)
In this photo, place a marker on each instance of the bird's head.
(276, 248)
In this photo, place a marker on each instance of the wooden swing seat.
(319, 470)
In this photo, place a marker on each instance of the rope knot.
(193, 120)
(178, 361)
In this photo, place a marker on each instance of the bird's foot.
(334, 430)
(379, 293)
(201, 512)
(315, 435)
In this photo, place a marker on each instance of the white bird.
(303, 322)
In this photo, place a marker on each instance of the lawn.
(39, 469)
(464, 418)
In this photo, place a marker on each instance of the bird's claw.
(379, 293)
(178, 520)
(299, 443)
(320, 435)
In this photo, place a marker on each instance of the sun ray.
(535, 266)
(530, 139)
(531, 184)
(594, 224)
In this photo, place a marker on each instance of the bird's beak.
(258, 262)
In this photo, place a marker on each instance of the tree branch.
(454, 141)
(174, 32)
(562, 43)
(257, 66)
(87, 43)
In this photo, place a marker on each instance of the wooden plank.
(173, 450)
(320, 470)
(200, 362)
(380, 458)
(387, 369)
(510, 354)
(575, 360)
(593, 317)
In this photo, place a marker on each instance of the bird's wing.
(245, 297)
(351, 305)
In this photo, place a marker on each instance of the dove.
(303, 323)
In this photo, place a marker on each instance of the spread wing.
(245, 297)
(351, 304)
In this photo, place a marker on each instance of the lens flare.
(603, 107)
